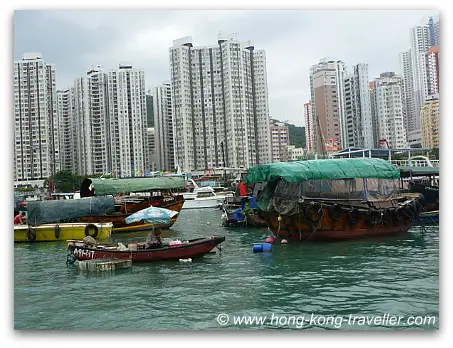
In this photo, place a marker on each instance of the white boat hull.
(211, 202)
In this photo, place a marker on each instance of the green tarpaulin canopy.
(118, 186)
(329, 169)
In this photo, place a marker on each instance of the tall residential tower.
(220, 104)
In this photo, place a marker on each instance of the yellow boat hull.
(62, 232)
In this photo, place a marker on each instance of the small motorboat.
(137, 252)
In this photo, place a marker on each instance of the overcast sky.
(75, 40)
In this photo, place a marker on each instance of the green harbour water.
(296, 286)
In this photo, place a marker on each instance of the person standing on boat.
(242, 189)
(153, 239)
(19, 219)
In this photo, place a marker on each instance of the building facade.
(67, 134)
(327, 96)
(220, 104)
(419, 36)
(36, 145)
(163, 122)
(432, 71)
(408, 88)
(279, 141)
(389, 109)
(308, 114)
(358, 121)
(127, 119)
(430, 123)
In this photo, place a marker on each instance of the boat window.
(205, 194)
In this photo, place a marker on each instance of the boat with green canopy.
(332, 198)
(134, 194)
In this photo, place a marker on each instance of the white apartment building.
(308, 114)
(220, 104)
(432, 71)
(163, 123)
(91, 123)
(374, 115)
(389, 109)
(127, 121)
(294, 153)
(279, 141)
(151, 135)
(327, 97)
(419, 36)
(36, 146)
(358, 120)
(67, 133)
(408, 87)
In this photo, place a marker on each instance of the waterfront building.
(419, 38)
(327, 96)
(127, 119)
(151, 135)
(308, 113)
(163, 123)
(374, 112)
(279, 141)
(358, 121)
(430, 123)
(432, 69)
(91, 123)
(388, 102)
(414, 138)
(434, 31)
(67, 133)
(220, 104)
(36, 145)
(408, 88)
(294, 153)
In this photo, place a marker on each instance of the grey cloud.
(293, 40)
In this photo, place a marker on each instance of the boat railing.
(416, 163)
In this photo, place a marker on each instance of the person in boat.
(153, 239)
(242, 189)
(19, 219)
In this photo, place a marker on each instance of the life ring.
(335, 212)
(373, 216)
(31, 234)
(353, 216)
(88, 228)
(57, 231)
(313, 207)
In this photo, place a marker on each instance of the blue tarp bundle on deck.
(65, 210)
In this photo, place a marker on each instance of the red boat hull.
(195, 248)
(326, 224)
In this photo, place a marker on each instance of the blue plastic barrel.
(257, 248)
(267, 247)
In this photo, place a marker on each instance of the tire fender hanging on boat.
(31, 234)
(335, 212)
(387, 216)
(353, 216)
(313, 207)
(373, 216)
(88, 228)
